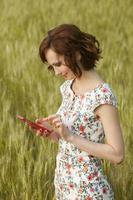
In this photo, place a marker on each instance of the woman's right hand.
(53, 135)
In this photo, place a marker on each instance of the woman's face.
(58, 64)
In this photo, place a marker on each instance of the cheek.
(67, 70)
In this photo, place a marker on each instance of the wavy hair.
(66, 40)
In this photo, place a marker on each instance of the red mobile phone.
(44, 130)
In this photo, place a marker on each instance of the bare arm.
(113, 150)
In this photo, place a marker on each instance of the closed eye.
(58, 64)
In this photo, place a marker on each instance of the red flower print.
(105, 90)
(80, 159)
(82, 128)
(71, 185)
(90, 177)
(68, 166)
(104, 190)
(80, 190)
(85, 118)
(92, 189)
(88, 198)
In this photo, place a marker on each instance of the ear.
(78, 56)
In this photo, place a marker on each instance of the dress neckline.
(87, 92)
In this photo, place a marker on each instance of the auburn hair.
(66, 40)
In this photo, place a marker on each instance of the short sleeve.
(105, 95)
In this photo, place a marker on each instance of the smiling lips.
(65, 75)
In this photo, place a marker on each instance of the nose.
(57, 72)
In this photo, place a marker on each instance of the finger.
(56, 120)
(44, 133)
(46, 119)
(41, 120)
(38, 133)
(37, 120)
(58, 125)
(51, 117)
(55, 124)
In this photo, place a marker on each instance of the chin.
(68, 77)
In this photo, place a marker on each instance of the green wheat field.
(27, 162)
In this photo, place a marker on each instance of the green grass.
(27, 162)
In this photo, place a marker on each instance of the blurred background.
(27, 162)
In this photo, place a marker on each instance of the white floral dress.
(79, 175)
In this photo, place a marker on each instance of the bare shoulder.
(97, 80)
(107, 110)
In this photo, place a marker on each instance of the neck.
(86, 76)
(87, 82)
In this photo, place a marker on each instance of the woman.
(88, 115)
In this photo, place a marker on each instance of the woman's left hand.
(56, 122)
